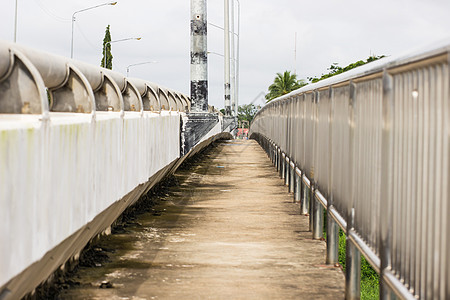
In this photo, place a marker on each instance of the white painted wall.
(56, 176)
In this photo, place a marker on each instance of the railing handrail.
(372, 146)
(375, 67)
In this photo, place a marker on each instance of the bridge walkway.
(229, 230)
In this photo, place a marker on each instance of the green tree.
(284, 84)
(334, 69)
(247, 112)
(106, 49)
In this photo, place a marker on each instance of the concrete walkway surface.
(230, 230)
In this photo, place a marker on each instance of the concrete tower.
(199, 57)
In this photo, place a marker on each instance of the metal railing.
(372, 146)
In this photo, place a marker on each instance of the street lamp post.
(212, 52)
(233, 65)
(15, 24)
(227, 57)
(142, 63)
(236, 90)
(236, 60)
(73, 21)
(122, 40)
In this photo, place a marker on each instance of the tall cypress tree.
(106, 55)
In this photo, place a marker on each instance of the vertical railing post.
(304, 204)
(271, 152)
(352, 265)
(292, 178)
(276, 157)
(352, 272)
(332, 238)
(275, 163)
(387, 161)
(317, 219)
(298, 186)
(312, 203)
(280, 170)
(280, 160)
(274, 154)
(286, 170)
(280, 157)
(332, 226)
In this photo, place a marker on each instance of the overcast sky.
(328, 31)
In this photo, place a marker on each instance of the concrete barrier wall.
(217, 129)
(78, 145)
(58, 174)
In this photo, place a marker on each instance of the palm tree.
(283, 84)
